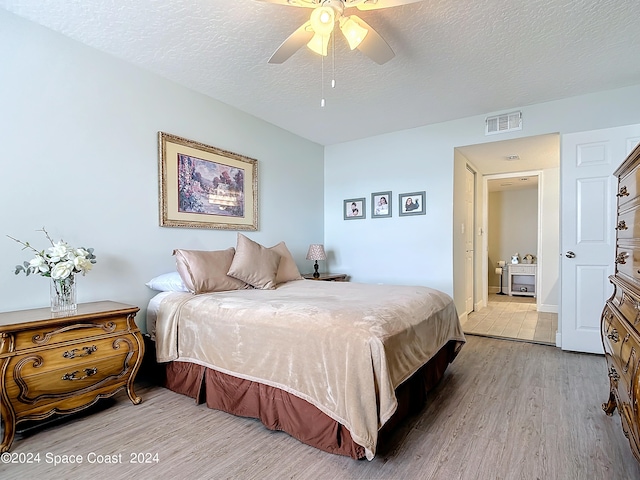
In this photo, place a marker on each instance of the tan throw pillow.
(206, 271)
(254, 264)
(287, 270)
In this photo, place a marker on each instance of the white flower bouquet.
(59, 261)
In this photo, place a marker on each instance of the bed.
(334, 364)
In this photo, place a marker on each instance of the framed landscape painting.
(206, 187)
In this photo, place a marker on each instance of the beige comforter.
(343, 347)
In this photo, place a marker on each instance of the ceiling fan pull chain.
(333, 61)
(322, 81)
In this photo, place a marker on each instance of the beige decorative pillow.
(287, 270)
(254, 264)
(206, 271)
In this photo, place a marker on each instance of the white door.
(469, 259)
(588, 231)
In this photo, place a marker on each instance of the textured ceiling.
(454, 58)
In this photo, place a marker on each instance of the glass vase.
(63, 296)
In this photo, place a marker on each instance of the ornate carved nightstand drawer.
(35, 390)
(77, 331)
(69, 355)
(61, 365)
(60, 373)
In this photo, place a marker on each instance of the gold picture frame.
(206, 187)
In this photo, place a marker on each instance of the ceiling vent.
(507, 122)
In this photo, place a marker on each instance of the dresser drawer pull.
(621, 258)
(613, 336)
(87, 351)
(623, 192)
(622, 225)
(72, 376)
(613, 375)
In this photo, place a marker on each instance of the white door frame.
(485, 228)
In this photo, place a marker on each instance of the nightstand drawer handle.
(87, 351)
(72, 376)
(622, 225)
(613, 336)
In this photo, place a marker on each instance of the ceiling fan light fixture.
(319, 44)
(352, 31)
(322, 20)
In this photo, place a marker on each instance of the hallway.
(513, 317)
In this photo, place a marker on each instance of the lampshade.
(322, 22)
(316, 252)
(319, 44)
(499, 271)
(352, 31)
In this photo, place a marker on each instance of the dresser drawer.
(611, 330)
(628, 262)
(69, 356)
(626, 223)
(519, 269)
(81, 330)
(628, 187)
(27, 392)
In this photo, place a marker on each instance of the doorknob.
(570, 254)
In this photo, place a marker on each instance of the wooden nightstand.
(328, 277)
(61, 365)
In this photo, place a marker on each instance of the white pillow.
(168, 282)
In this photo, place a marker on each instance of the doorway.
(537, 160)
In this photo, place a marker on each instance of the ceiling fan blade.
(291, 45)
(294, 3)
(373, 45)
(377, 4)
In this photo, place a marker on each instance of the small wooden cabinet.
(61, 365)
(522, 279)
(620, 323)
(327, 277)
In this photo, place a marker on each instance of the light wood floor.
(504, 410)
(513, 317)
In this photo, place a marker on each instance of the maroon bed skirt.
(279, 410)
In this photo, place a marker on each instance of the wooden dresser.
(60, 365)
(620, 325)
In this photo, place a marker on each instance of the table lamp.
(316, 252)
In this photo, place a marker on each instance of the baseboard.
(463, 318)
(493, 289)
(545, 308)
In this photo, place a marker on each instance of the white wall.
(79, 156)
(513, 227)
(421, 249)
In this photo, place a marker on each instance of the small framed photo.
(380, 204)
(412, 203)
(354, 208)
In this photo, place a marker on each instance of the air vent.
(507, 122)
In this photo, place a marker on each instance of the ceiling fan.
(316, 32)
